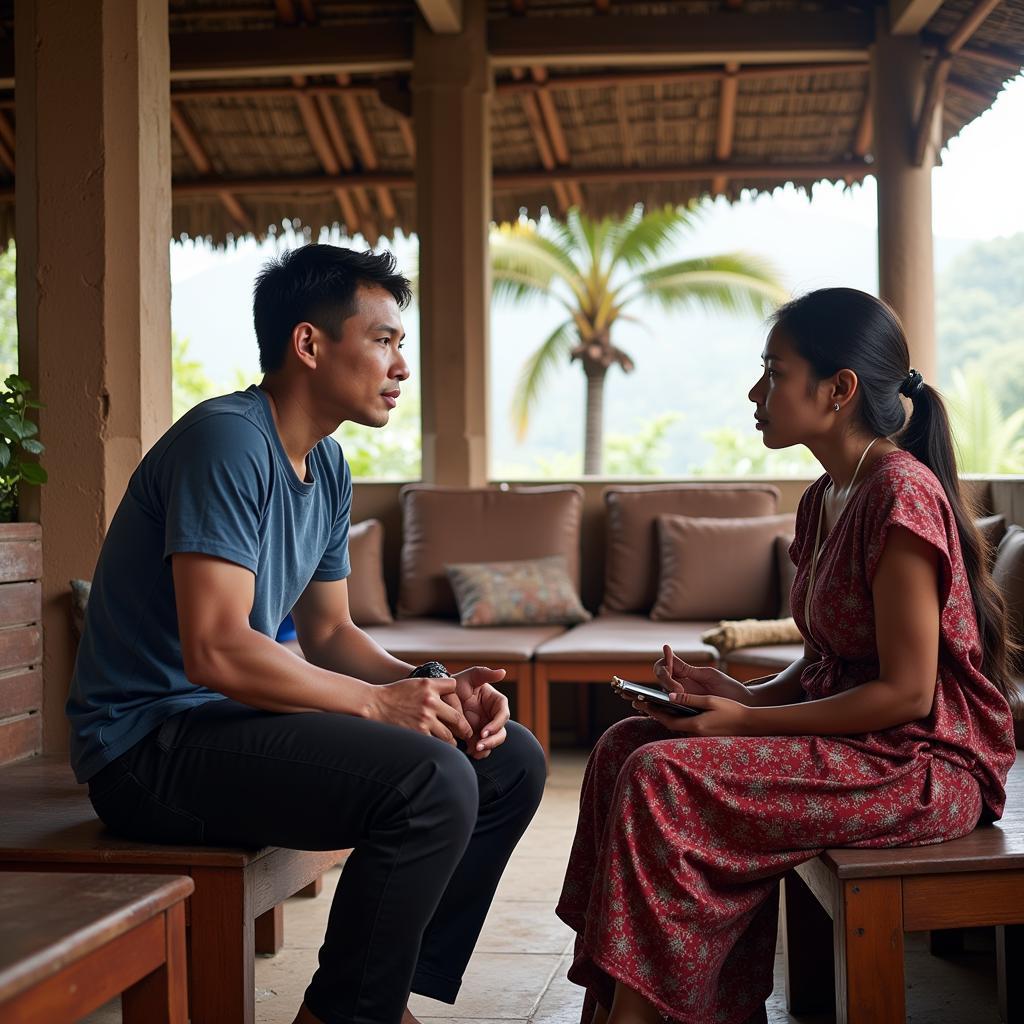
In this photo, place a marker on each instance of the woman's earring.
(835, 408)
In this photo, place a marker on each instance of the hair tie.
(912, 383)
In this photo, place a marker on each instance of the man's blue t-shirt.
(217, 483)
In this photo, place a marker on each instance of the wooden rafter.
(908, 17)
(1006, 61)
(968, 91)
(196, 152)
(726, 124)
(330, 160)
(553, 127)
(408, 136)
(535, 121)
(513, 180)
(7, 143)
(442, 15)
(367, 151)
(938, 76)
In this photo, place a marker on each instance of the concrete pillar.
(906, 272)
(451, 110)
(93, 230)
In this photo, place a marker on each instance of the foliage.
(190, 383)
(18, 438)
(8, 314)
(642, 453)
(386, 453)
(986, 440)
(739, 453)
(597, 271)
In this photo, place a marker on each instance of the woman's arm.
(905, 593)
(784, 687)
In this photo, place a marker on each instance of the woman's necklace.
(821, 516)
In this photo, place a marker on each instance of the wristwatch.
(429, 670)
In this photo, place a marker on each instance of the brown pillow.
(535, 592)
(631, 566)
(367, 594)
(787, 573)
(1008, 576)
(448, 525)
(715, 568)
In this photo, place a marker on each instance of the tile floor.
(517, 975)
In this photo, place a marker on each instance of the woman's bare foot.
(629, 1007)
(408, 1018)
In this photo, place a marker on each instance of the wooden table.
(69, 943)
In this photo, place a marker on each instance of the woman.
(893, 728)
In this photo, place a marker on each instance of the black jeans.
(431, 830)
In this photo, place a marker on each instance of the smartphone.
(635, 691)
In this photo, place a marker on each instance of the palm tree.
(987, 439)
(597, 270)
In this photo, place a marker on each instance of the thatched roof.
(336, 147)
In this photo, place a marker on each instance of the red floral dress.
(672, 884)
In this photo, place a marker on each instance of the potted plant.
(21, 570)
(17, 440)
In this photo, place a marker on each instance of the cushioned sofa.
(674, 559)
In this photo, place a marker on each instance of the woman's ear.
(844, 387)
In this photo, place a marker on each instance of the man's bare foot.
(408, 1018)
(306, 1016)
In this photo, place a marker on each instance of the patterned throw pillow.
(533, 592)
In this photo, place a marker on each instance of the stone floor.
(518, 971)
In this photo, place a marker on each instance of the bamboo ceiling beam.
(553, 126)
(320, 140)
(331, 123)
(535, 122)
(938, 76)
(7, 143)
(200, 159)
(534, 179)
(726, 124)
(908, 17)
(443, 16)
(969, 91)
(408, 136)
(7, 158)
(1006, 61)
(367, 151)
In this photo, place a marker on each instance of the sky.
(827, 238)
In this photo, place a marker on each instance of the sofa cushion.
(628, 638)
(773, 657)
(1008, 576)
(631, 557)
(715, 568)
(445, 525)
(787, 573)
(367, 594)
(419, 640)
(535, 591)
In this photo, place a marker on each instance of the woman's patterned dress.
(672, 885)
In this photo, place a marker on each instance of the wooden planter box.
(21, 640)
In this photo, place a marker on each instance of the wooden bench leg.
(1010, 951)
(222, 964)
(314, 888)
(542, 707)
(868, 935)
(524, 695)
(270, 930)
(162, 996)
(807, 945)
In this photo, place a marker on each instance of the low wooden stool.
(69, 943)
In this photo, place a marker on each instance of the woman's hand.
(719, 715)
(678, 676)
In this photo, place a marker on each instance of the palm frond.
(521, 252)
(535, 372)
(728, 283)
(647, 236)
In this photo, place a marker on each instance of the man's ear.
(303, 343)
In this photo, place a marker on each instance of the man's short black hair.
(316, 283)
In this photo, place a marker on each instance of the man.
(191, 724)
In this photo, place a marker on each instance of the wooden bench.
(873, 896)
(49, 825)
(68, 943)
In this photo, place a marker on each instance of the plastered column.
(906, 271)
(93, 225)
(451, 111)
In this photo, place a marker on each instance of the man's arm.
(222, 651)
(330, 639)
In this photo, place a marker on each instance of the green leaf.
(17, 384)
(28, 429)
(32, 446)
(555, 347)
(5, 454)
(33, 473)
(12, 426)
